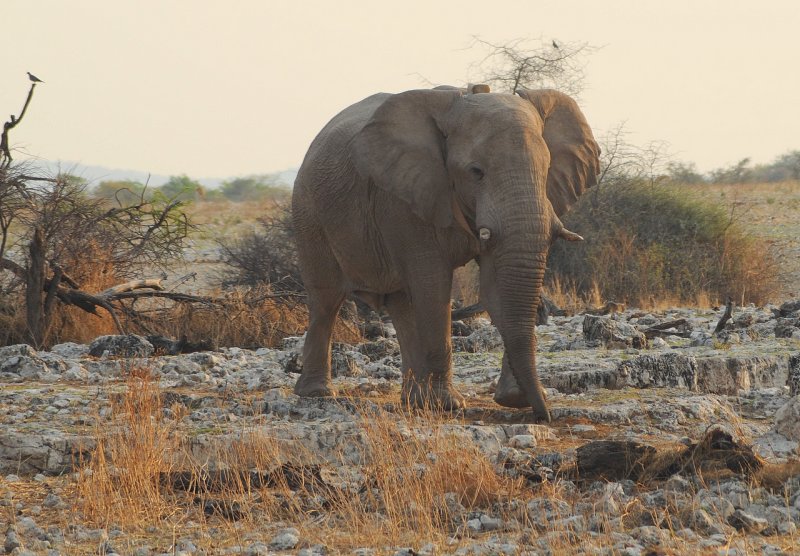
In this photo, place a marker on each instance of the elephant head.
(500, 167)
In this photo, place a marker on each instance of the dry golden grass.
(771, 212)
(120, 480)
(248, 318)
(413, 482)
(397, 479)
(397, 488)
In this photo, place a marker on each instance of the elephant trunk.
(514, 284)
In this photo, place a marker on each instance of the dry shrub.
(247, 318)
(90, 268)
(266, 254)
(649, 243)
(466, 284)
(567, 297)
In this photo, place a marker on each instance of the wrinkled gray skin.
(400, 189)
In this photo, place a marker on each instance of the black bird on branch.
(34, 78)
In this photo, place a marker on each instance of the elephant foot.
(514, 397)
(439, 398)
(508, 392)
(511, 397)
(314, 388)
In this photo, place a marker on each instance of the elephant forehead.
(503, 110)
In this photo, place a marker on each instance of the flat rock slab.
(50, 452)
(694, 370)
(705, 373)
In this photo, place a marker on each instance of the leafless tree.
(51, 232)
(622, 161)
(525, 63)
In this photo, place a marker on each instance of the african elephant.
(398, 190)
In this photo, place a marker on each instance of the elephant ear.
(401, 150)
(574, 154)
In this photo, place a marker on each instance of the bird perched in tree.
(555, 45)
(34, 78)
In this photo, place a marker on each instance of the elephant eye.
(476, 173)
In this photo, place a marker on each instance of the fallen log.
(716, 453)
(663, 330)
(90, 302)
(153, 283)
(613, 460)
(467, 312)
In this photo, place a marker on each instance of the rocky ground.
(701, 456)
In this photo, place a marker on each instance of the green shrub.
(652, 244)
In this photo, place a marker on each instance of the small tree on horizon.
(254, 188)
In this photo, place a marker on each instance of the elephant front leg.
(423, 330)
(508, 392)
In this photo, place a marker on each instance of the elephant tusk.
(484, 233)
(569, 236)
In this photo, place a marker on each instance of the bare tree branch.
(154, 284)
(522, 63)
(5, 150)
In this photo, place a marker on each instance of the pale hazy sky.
(213, 88)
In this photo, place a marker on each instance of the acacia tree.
(51, 231)
(526, 64)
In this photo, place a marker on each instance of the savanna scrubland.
(152, 411)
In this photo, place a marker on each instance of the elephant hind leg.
(315, 378)
(323, 281)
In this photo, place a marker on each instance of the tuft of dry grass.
(120, 480)
(416, 483)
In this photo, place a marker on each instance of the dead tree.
(5, 149)
(61, 238)
(522, 64)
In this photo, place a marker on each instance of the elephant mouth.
(464, 216)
